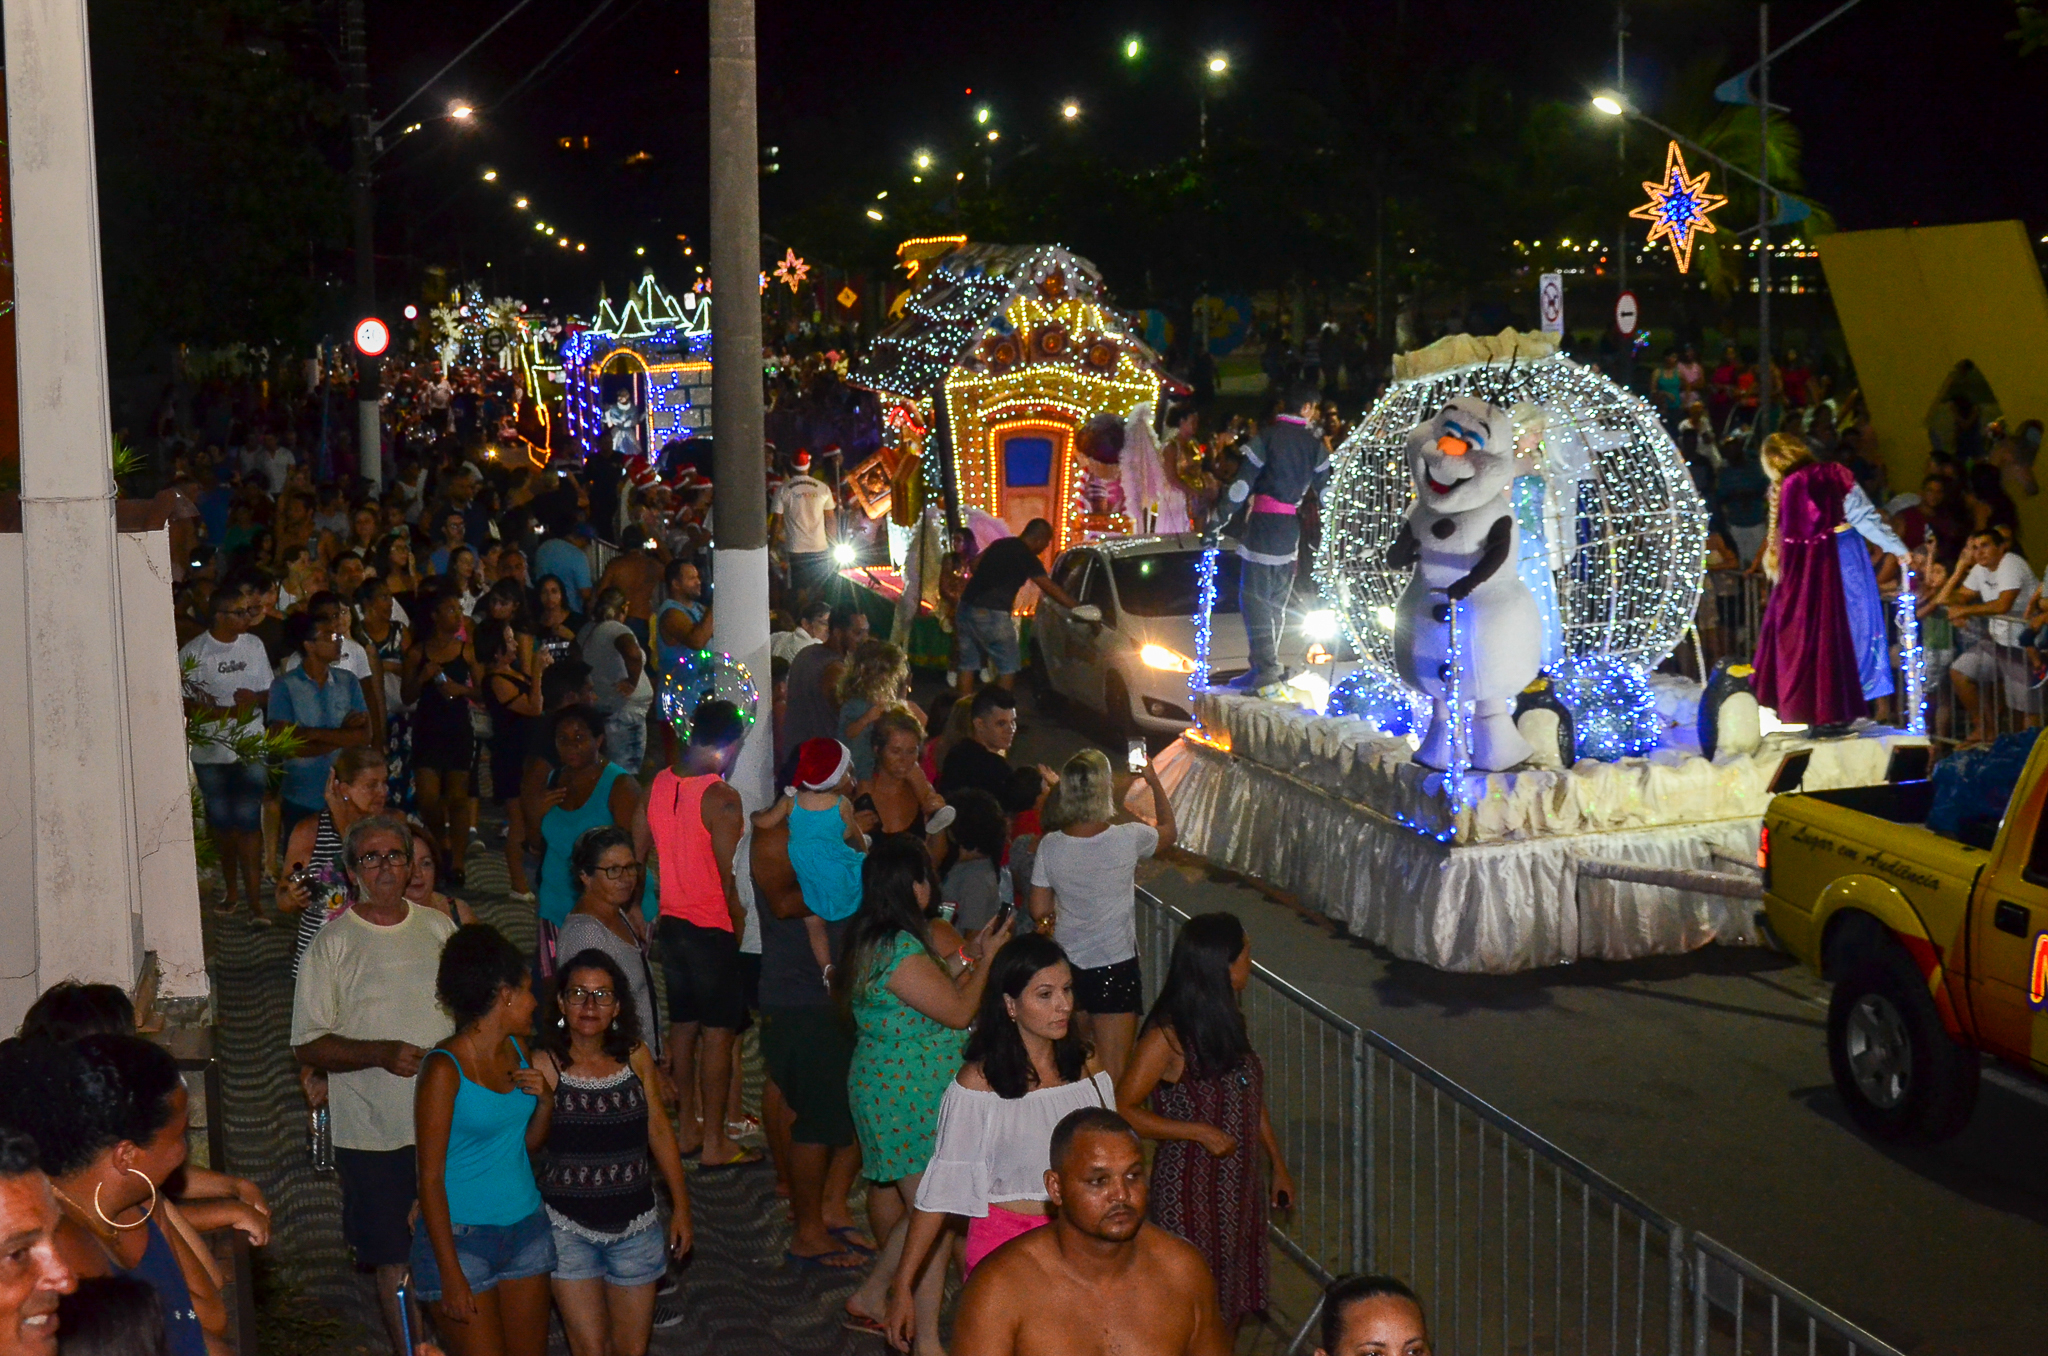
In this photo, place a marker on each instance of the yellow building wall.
(1915, 302)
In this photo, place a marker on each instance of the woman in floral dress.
(1207, 1108)
(909, 1009)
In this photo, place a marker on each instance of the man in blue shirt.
(324, 704)
(564, 558)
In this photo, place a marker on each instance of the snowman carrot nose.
(1453, 446)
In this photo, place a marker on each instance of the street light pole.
(740, 485)
(1763, 224)
(362, 211)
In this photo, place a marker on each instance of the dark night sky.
(1913, 112)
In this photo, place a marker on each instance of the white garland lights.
(1911, 656)
(1626, 529)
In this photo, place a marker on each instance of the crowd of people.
(1953, 537)
(936, 945)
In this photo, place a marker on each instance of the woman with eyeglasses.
(605, 1141)
(607, 915)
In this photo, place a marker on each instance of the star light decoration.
(791, 271)
(1678, 207)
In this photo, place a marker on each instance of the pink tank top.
(691, 888)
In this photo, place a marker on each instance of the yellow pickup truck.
(1937, 948)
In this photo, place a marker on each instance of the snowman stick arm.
(1498, 539)
(1406, 550)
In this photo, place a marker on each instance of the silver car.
(1129, 650)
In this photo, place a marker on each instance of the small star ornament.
(1678, 207)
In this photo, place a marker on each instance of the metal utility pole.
(739, 497)
(1763, 224)
(362, 210)
(1621, 127)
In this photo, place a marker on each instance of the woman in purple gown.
(1808, 665)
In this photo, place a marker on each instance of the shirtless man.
(1099, 1279)
(636, 573)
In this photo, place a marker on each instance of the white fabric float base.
(1493, 908)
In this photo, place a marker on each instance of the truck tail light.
(1763, 853)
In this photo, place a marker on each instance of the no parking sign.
(1550, 302)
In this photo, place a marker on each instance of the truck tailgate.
(1825, 854)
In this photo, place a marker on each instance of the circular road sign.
(1625, 313)
(372, 337)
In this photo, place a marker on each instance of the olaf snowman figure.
(1461, 539)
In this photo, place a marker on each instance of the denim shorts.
(233, 793)
(639, 1258)
(489, 1253)
(988, 637)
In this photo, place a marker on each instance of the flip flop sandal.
(850, 1236)
(854, 1322)
(746, 1158)
(822, 1262)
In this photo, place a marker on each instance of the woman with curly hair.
(108, 1116)
(877, 679)
(606, 1139)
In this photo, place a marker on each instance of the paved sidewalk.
(738, 1297)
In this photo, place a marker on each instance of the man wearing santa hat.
(801, 510)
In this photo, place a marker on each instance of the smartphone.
(1003, 914)
(1134, 754)
(405, 1312)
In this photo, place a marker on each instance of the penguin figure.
(1729, 720)
(1546, 723)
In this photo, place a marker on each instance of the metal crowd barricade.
(1513, 1244)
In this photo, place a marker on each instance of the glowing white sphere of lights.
(1627, 528)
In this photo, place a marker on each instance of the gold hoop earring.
(145, 1214)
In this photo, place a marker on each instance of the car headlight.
(1159, 657)
(1320, 624)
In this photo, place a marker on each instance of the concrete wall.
(102, 938)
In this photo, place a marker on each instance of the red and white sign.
(1550, 302)
(1625, 313)
(372, 337)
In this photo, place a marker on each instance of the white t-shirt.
(372, 983)
(803, 504)
(786, 644)
(1093, 880)
(221, 669)
(277, 468)
(2011, 573)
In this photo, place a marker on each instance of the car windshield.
(1166, 585)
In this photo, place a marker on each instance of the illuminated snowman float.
(1585, 566)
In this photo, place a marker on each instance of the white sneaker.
(940, 819)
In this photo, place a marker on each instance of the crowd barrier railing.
(1513, 1244)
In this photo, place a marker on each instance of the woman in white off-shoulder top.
(1026, 1068)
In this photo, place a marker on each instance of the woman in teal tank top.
(585, 792)
(483, 1250)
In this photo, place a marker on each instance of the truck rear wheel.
(1894, 1065)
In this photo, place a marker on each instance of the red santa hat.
(821, 764)
(802, 460)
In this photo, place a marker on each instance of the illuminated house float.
(1005, 353)
(642, 370)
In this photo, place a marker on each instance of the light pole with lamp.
(1215, 67)
(1786, 211)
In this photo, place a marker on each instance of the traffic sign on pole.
(1625, 313)
(1550, 302)
(372, 337)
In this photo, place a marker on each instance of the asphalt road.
(1700, 1083)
